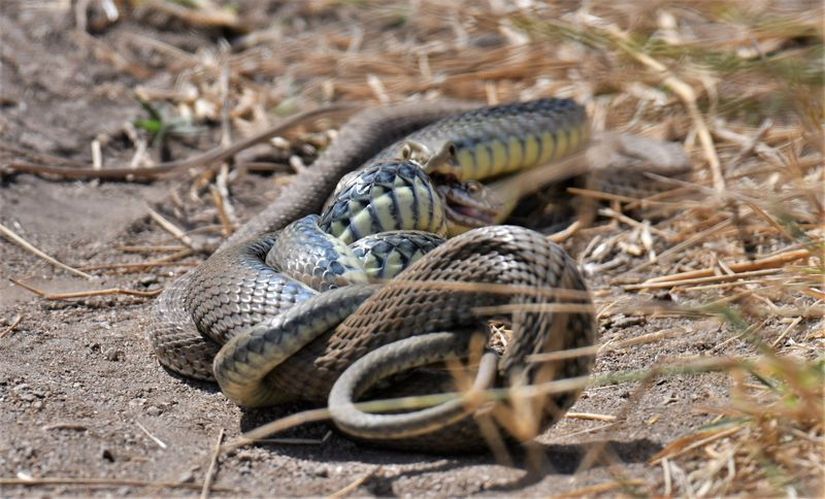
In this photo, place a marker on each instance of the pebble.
(114, 355)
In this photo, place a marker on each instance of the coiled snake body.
(262, 316)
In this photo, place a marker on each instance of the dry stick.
(11, 327)
(212, 156)
(633, 202)
(565, 234)
(105, 482)
(168, 248)
(594, 429)
(160, 443)
(166, 49)
(667, 477)
(688, 96)
(293, 441)
(86, 294)
(641, 340)
(201, 15)
(671, 452)
(40, 155)
(589, 416)
(763, 263)
(724, 224)
(213, 465)
(750, 144)
(701, 280)
(355, 484)
(787, 330)
(29, 247)
(621, 217)
(773, 223)
(173, 229)
(158, 262)
(221, 204)
(601, 488)
(278, 426)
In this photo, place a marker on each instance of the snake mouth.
(468, 204)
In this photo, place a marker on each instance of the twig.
(787, 330)
(169, 248)
(292, 441)
(585, 431)
(106, 482)
(158, 262)
(200, 15)
(223, 206)
(42, 156)
(641, 340)
(29, 247)
(724, 224)
(601, 488)
(700, 280)
(173, 229)
(590, 416)
(633, 201)
(155, 439)
(355, 484)
(86, 294)
(277, 426)
(198, 161)
(565, 234)
(11, 326)
(213, 465)
(621, 217)
(763, 263)
(676, 448)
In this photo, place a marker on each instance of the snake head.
(468, 205)
(441, 161)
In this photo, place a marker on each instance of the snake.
(268, 337)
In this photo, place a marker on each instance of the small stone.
(624, 321)
(114, 355)
(186, 477)
(107, 455)
(148, 280)
(154, 410)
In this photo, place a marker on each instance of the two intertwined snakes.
(267, 336)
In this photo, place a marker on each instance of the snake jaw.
(468, 205)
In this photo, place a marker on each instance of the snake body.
(261, 315)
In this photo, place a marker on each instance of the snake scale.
(429, 313)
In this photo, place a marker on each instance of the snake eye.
(473, 187)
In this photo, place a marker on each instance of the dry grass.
(739, 84)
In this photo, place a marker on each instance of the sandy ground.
(82, 396)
